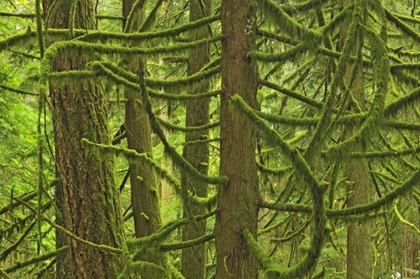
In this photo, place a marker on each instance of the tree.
(144, 186)
(322, 93)
(359, 247)
(197, 114)
(237, 198)
(86, 195)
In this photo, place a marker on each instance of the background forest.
(209, 139)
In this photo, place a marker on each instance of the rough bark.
(144, 185)
(197, 113)
(237, 199)
(86, 197)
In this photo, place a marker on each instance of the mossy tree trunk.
(359, 240)
(237, 199)
(144, 185)
(197, 113)
(86, 196)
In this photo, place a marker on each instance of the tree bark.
(86, 197)
(197, 113)
(359, 240)
(144, 185)
(237, 199)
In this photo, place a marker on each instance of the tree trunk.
(86, 196)
(410, 245)
(144, 186)
(194, 258)
(359, 240)
(237, 199)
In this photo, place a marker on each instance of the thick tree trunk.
(144, 185)
(237, 199)
(194, 258)
(86, 197)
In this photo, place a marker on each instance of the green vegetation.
(259, 139)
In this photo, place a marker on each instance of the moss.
(173, 127)
(392, 17)
(134, 155)
(128, 78)
(275, 57)
(292, 234)
(292, 94)
(272, 171)
(401, 103)
(36, 259)
(157, 237)
(20, 39)
(146, 270)
(136, 37)
(187, 243)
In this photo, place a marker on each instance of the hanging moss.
(273, 137)
(292, 94)
(271, 269)
(293, 234)
(21, 39)
(87, 48)
(177, 158)
(146, 270)
(158, 236)
(311, 38)
(182, 97)
(384, 154)
(207, 202)
(402, 26)
(71, 235)
(36, 259)
(279, 172)
(187, 243)
(134, 155)
(136, 37)
(275, 57)
(67, 77)
(402, 103)
(173, 127)
(130, 80)
(18, 90)
(408, 184)
(177, 84)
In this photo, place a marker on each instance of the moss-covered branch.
(292, 94)
(18, 265)
(17, 90)
(135, 37)
(133, 155)
(20, 39)
(173, 127)
(185, 244)
(71, 235)
(157, 237)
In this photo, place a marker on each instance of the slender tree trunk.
(144, 185)
(86, 196)
(237, 199)
(359, 240)
(194, 258)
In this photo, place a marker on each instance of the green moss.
(173, 127)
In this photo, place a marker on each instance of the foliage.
(305, 104)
